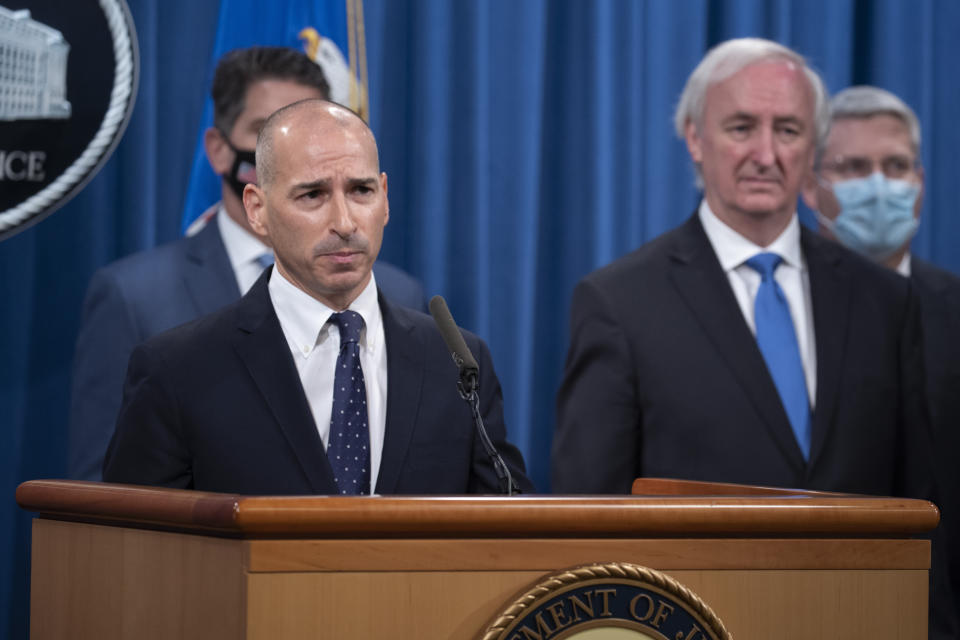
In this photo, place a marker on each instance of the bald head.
(294, 121)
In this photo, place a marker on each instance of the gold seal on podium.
(614, 601)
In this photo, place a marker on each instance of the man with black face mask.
(867, 192)
(144, 294)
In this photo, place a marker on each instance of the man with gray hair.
(741, 347)
(868, 181)
(867, 192)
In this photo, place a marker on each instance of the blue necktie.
(348, 448)
(265, 259)
(777, 340)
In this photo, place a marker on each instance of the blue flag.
(329, 31)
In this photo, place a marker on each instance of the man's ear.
(255, 204)
(219, 153)
(692, 137)
(386, 201)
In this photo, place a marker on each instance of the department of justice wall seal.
(68, 80)
(615, 601)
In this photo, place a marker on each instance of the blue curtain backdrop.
(526, 143)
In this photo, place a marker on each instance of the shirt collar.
(242, 246)
(303, 317)
(904, 267)
(733, 249)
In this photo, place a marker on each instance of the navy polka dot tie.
(349, 446)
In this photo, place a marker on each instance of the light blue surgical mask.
(876, 214)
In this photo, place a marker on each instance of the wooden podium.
(114, 561)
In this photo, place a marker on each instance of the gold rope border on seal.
(563, 579)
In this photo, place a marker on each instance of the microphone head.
(438, 307)
(451, 335)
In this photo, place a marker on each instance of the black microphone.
(468, 384)
(466, 363)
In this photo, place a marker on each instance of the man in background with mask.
(866, 191)
(144, 294)
(868, 185)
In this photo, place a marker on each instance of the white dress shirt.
(904, 267)
(243, 250)
(733, 250)
(315, 345)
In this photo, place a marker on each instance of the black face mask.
(244, 168)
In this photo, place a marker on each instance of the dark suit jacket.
(664, 378)
(217, 405)
(141, 295)
(939, 293)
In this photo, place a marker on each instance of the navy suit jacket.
(217, 405)
(664, 378)
(142, 295)
(939, 293)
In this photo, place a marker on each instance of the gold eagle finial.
(311, 42)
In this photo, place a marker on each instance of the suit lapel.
(830, 293)
(404, 385)
(209, 279)
(261, 346)
(705, 289)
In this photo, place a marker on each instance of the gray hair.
(732, 56)
(865, 102)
